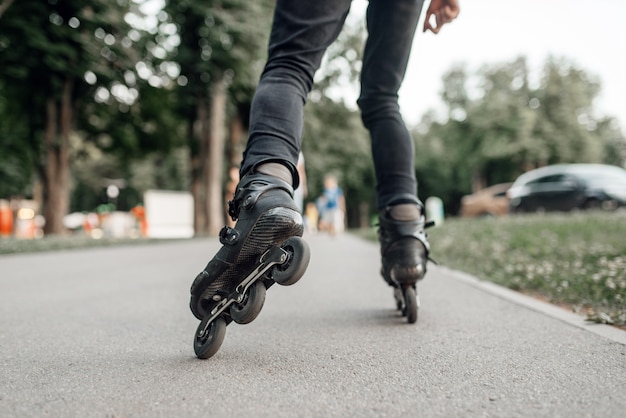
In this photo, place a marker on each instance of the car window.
(553, 178)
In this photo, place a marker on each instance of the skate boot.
(263, 248)
(404, 249)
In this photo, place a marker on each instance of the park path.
(107, 333)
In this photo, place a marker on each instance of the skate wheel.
(249, 309)
(207, 345)
(411, 305)
(298, 257)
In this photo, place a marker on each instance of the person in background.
(311, 217)
(334, 205)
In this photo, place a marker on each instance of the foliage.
(334, 139)
(94, 170)
(335, 142)
(218, 46)
(507, 126)
(16, 165)
(56, 58)
(137, 91)
(216, 40)
(120, 102)
(340, 68)
(44, 43)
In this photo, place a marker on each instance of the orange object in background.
(140, 212)
(6, 220)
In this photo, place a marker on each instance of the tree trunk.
(235, 138)
(204, 132)
(197, 171)
(215, 161)
(4, 6)
(478, 180)
(57, 167)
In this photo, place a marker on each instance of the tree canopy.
(507, 126)
(98, 92)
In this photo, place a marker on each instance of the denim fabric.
(301, 33)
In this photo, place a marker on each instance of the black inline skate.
(404, 249)
(263, 248)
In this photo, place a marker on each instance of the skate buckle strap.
(391, 230)
(251, 187)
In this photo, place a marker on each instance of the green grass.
(59, 243)
(574, 259)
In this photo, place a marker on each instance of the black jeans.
(301, 33)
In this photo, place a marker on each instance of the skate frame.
(273, 256)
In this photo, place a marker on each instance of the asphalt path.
(108, 333)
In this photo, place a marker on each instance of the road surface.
(108, 333)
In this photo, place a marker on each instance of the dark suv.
(569, 186)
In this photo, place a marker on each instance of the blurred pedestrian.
(334, 206)
(311, 217)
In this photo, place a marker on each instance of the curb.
(571, 318)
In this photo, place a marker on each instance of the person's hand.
(445, 11)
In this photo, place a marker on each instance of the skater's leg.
(404, 247)
(391, 27)
(301, 33)
(263, 203)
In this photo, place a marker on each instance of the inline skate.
(404, 250)
(264, 247)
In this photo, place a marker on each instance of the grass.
(58, 243)
(573, 259)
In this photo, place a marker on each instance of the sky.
(590, 33)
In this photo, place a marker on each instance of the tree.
(4, 5)
(508, 126)
(334, 139)
(335, 142)
(53, 57)
(16, 165)
(567, 121)
(219, 47)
